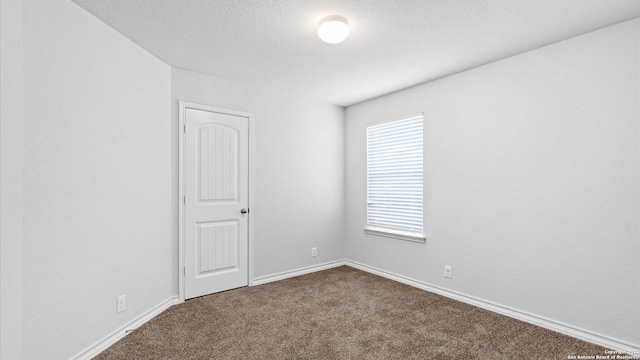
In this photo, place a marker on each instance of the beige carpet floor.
(342, 313)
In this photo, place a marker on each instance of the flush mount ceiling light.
(333, 29)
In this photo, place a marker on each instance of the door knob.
(243, 211)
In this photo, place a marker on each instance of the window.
(394, 179)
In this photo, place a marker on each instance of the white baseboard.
(297, 272)
(598, 339)
(112, 338)
(121, 332)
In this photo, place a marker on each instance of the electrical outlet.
(448, 271)
(314, 252)
(122, 304)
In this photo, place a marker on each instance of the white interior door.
(216, 226)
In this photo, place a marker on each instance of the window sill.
(396, 234)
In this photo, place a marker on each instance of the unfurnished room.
(319, 179)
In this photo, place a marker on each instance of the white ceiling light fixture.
(333, 29)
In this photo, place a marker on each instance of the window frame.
(390, 231)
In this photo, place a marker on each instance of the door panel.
(216, 189)
(218, 171)
(217, 247)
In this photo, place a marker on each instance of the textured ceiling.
(394, 44)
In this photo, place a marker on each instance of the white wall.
(97, 180)
(11, 179)
(531, 179)
(298, 170)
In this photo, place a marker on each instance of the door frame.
(183, 106)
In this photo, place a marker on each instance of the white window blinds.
(394, 175)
